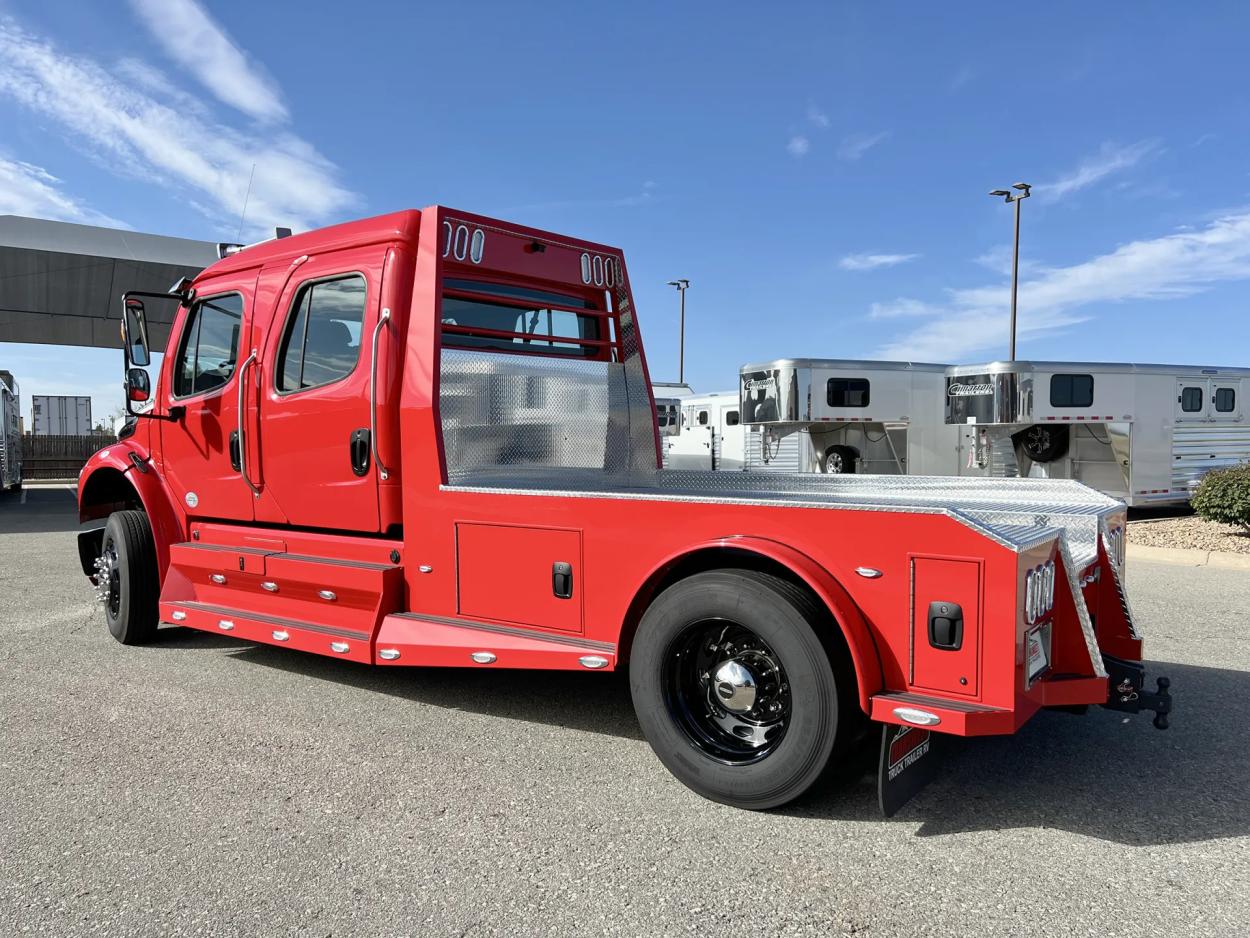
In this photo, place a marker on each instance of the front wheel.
(735, 690)
(126, 578)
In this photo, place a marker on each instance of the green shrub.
(1224, 496)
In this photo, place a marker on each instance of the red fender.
(169, 524)
(837, 600)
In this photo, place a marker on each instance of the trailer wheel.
(839, 460)
(735, 691)
(126, 578)
(1042, 443)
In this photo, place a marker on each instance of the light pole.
(1021, 193)
(682, 286)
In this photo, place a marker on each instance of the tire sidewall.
(802, 754)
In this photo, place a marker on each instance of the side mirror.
(135, 333)
(138, 385)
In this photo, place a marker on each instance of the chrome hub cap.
(108, 581)
(726, 689)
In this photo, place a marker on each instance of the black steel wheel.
(126, 579)
(743, 687)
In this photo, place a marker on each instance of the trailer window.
(210, 345)
(1071, 390)
(322, 340)
(731, 419)
(847, 392)
(1225, 400)
(1191, 400)
(522, 320)
(703, 418)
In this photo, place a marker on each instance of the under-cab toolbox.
(429, 439)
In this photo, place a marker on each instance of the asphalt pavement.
(205, 786)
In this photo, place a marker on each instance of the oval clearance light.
(1029, 590)
(917, 717)
(388, 654)
(340, 647)
(483, 657)
(178, 615)
(594, 662)
(280, 636)
(225, 625)
(868, 573)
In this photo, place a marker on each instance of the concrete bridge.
(61, 283)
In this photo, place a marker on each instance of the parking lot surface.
(205, 786)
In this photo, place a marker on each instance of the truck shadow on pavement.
(1105, 775)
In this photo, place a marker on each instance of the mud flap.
(908, 763)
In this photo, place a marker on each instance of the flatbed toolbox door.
(946, 625)
(316, 422)
(527, 576)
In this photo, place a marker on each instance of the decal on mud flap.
(907, 765)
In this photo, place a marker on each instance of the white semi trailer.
(1145, 434)
(847, 416)
(10, 433)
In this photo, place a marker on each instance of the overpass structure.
(61, 283)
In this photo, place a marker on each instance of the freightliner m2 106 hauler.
(429, 438)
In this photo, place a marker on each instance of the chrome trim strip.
(278, 621)
(566, 639)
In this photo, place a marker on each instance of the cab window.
(210, 345)
(322, 339)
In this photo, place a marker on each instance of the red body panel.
(313, 560)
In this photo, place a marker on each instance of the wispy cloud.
(873, 261)
(798, 146)
(138, 132)
(965, 74)
(1110, 159)
(817, 118)
(199, 45)
(854, 146)
(1174, 265)
(26, 189)
(644, 196)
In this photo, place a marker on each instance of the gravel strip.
(1192, 533)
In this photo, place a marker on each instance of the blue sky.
(818, 171)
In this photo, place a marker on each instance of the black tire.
(1043, 443)
(839, 460)
(820, 711)
(131, 582)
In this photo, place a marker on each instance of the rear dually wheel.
(735, 690)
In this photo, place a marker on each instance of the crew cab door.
(200, 391)
(315, 413)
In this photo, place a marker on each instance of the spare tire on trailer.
(1043, 442)
(839, 460)
(744, 687)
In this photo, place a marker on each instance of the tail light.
(1039, 591)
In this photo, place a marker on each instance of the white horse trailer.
(702, 431)
(839, 416)
(1145, 434)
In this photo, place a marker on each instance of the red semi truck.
(428, 438)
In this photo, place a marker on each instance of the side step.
(250, 626)
(957, 717)
(407, 638)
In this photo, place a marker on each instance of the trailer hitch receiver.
(1126, 680)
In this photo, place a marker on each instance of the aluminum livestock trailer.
(844, 416)
(1145, 434)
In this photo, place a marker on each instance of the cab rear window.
(479, 315)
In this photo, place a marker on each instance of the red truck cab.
(428, 438)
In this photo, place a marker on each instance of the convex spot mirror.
(138, 385)
(135, 333)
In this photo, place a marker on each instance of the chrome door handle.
(383, 319)
(242, 433)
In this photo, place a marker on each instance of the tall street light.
(1021, 193)
(682, 286)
